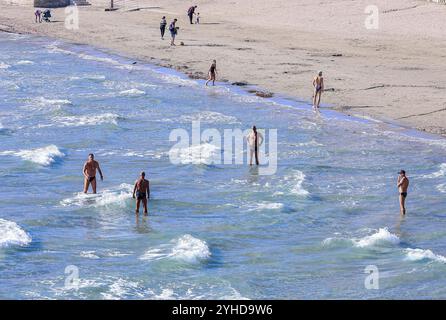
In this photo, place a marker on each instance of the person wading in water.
(255, 139)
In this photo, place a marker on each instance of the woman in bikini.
(318, 84)
(212, 72)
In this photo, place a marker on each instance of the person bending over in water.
(142, 191)
(89, 171)
(255, 140)
(212, 72)
(403, 186)
(318, 84)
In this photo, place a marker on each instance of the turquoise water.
(214, 231)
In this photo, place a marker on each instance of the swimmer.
(141, 192)
(254, 139)
(89, 172)
(403, 186)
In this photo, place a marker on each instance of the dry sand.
(396, 72)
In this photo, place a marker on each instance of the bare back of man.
(141, 192)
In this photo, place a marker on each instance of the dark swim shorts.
(91, 179)
(140, 195)
(404, 194)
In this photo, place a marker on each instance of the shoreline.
(278, 99)
(432, 124)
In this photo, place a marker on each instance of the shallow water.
(214, 231)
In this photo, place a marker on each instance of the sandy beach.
(393, 73)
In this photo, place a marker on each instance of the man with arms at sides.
(89, 171)
(142, 192)
(403, 186)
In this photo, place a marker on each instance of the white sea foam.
(266, 206)
(442, 187)
(92, 77)
(381, 237)
(89, 255)
(420, 254)
(292, 184)
(43, 156)
(116, 196)
(11, 234)
(77, 121)
(132, 92)
(209, 117)
(44, 103)
(177, 80)
(4, 66)
(437, 174)
(204, 153)
(24, 62)
(186, 248)
(121, 289)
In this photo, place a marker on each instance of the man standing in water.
(191, 13)
(255, 140)
(142, 191)
(403, 185)
(212, 72)
(90, 167)
(318, 84)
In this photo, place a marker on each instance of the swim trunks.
(91, 179)
(404, 194)
(140, 195)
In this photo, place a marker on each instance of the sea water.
(214, 231)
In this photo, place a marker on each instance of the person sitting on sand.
(403, 186)
(47, 15)
(38, 15)
(142, 191)
(89, 172)
(173, 31)
(190, 13)
(255, 140)
(212, 72)
(163, 25)
(318, 84)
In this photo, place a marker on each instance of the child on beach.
(198, 18)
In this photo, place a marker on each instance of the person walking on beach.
(191, 13)
(173, 31)
(212, 72)
(403, 186)
(163, 25)
(38, 15)
(255, 140)
(142, 192)
(318, 84)
(89, 171)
